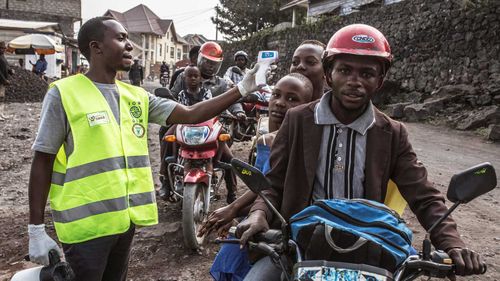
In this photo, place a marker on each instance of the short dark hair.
(313, 42)
(193, 66)
(306, 81)
(193, 53)
(91, 30)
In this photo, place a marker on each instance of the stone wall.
(435, 42)
(65, 12)
(446, 66)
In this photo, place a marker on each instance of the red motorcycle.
(255, 106)
(194, 173)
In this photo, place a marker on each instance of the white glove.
(248, 85)
(40, 244)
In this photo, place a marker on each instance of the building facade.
(154, 39)
(64, 12)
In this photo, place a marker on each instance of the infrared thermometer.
(264, 59)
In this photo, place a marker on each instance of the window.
(159, 50)
(179, 53)
(172, 52)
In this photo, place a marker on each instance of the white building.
(154, 39)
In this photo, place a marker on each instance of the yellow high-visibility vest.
(105, 183)
(394, 199)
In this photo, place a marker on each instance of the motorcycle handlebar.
(264, 248)
(431, 268)
(272, 236)
(232, 117)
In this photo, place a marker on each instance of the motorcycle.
(239, 130)
(164, 79)
(194, 173)
(255, 107)
(279, 245)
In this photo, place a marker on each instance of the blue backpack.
(354, 231)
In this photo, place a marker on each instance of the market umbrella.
(34, 43)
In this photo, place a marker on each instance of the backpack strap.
(360, 242)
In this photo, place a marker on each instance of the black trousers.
(101, 259)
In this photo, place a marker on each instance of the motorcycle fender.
(194, 154)
(197, 176)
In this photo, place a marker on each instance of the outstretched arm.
(205, 110)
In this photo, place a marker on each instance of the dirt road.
(158, 253)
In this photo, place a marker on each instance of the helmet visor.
(208, 67)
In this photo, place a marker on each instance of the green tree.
(238, 19)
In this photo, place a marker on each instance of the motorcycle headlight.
(195, 135)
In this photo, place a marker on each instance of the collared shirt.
(188, 99)
(235, 74)
(340, 172)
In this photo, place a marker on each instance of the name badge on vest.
(97, 118)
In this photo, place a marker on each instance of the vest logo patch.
(135, 111)
(138, 130)
(97, 118)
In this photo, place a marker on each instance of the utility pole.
(216, 29)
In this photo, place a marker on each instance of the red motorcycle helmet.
(358, 39)
(210, 58)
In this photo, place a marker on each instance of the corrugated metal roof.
(165, 25)
(318, 7)
(180, 39)
(294, 3)
(141, 19)
(21, 24)
(195, 39)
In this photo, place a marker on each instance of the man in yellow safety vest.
(91, 156)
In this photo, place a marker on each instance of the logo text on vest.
(97, 118)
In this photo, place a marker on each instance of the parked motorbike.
(239, 130)
(164, 79)
(255, 107)
(277, 244)
(194, 173)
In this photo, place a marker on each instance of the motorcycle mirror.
(251, 176)
(256, 181)
(464, 187)
(472, 183)
(163, 93)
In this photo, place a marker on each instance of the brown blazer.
(389, 155)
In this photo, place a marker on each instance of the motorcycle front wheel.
(193, 214)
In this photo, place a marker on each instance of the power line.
(189, 12)
(188, 18)
(182, 19)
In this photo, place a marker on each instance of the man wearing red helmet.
(209, 62)
(342, 146)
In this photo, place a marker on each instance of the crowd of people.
(326, 140)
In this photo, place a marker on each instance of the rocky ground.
(158, 252)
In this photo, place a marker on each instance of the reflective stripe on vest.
(106, 182)
(98, 167)
(105, 206)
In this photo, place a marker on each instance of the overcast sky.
(190, 16)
